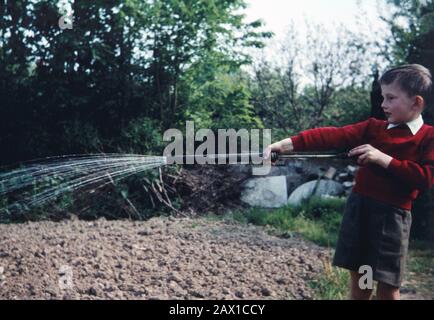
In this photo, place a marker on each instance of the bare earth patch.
(162, 258)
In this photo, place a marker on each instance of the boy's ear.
(419, 102)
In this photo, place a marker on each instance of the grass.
(420, 269)
(317, 220)
(332, 284)
(421, 262)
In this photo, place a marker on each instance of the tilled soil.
(162, 258)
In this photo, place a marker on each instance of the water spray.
(73, 172)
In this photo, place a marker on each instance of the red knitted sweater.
(410, 171)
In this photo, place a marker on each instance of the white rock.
(352, 169)
(265, 192)
(325, 187)
(343, 176)
(330, 173)
(348, 184)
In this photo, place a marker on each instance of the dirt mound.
(218, 193)
(160, 258)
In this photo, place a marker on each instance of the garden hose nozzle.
(307, 154)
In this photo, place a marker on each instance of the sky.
(278, 13)
(359, 16)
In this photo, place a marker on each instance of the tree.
(412, 41)
(306, 88)
(82, 89)
(189, 32)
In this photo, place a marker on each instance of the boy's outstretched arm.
(324, 138)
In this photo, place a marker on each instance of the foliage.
(125, 67)
(317, 220)
(412, 37)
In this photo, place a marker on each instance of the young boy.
(396, 159)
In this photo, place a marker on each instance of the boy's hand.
(369, 154)
(283, 146)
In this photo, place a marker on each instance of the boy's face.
(397, 105)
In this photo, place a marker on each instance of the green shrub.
(317, 220)
(141, 136)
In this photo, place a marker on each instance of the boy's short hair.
(414, 79)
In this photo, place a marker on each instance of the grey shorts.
(375, 234)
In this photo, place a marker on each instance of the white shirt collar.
(414, 125)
